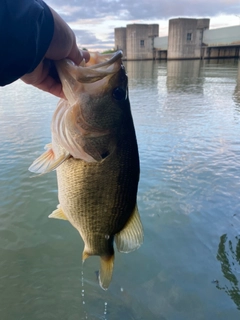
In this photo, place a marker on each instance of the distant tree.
(109, 51)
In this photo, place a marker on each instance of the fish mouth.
(98, 60)
(97, 68)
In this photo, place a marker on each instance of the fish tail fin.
(106, 270)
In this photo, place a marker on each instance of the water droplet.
(121, 289)
(107, 236)
(105, 303)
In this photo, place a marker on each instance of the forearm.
(26, 30)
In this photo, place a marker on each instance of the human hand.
(63, 45)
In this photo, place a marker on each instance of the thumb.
(77, 55)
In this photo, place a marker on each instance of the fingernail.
(85, 55)
(81, 55)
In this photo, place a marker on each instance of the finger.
(86, 55)
(77, 55)
(51, 86)
(41, 79)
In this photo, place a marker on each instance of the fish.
(95, 154)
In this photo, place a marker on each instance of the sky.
(93, 21)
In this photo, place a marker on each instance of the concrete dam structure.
(187, 39)
(137, 41)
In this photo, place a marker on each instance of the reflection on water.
(187, 120)
(229, 257)
(236, 95)
(184, 76)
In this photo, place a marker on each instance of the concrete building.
(222, 42)
(121, 40)
(161, 47)
(187, 39)
(137, 41)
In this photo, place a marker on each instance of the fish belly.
(98, 198)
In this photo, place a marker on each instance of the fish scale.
(87, 182)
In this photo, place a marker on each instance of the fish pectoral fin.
(47, 161)
(131, 237)
(58, 214)
(106, 270)
(48, 146)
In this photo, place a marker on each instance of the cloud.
(88, 40)
(84, 37)
(99, 17)
(144, 9)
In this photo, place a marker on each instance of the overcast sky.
(94, 21)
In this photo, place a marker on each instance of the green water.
(187, 119)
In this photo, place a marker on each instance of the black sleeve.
(26, 30)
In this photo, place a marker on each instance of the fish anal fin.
(130, 237)
(47, 161)
(106, 270)
(85, 255)
(58, 214)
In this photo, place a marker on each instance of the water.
(187, 118)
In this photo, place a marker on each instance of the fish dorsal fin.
(58, 214)
(131, 237)
(47, 161)
(106, 270)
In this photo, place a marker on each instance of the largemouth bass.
(95, 153)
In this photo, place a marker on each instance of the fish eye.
(119, 94)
